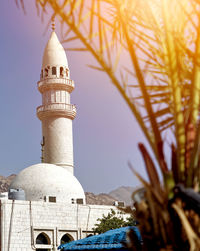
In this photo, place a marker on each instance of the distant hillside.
(5, 182)
(119, 194)
(99, 199)
(123, 194)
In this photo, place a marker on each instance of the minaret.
(56, 113)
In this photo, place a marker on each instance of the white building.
(47, 204)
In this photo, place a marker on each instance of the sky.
(105, 132)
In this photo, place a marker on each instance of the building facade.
(37, 225)
(46, 205)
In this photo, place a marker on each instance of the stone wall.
(23, 221)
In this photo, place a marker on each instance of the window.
(42, 239)
(67, 72)
(79, 201)
(41, 73)
(53, 70)
(89, 235)
(61, 72)
(46, 72)
(66, 238)
(52, 199)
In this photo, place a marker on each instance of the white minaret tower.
(56, 113)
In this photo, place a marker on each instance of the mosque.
(46, 204)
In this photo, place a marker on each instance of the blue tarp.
(112, 239)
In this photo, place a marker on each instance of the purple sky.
(105, 132)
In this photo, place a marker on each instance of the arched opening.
(66, 238)
(46, 70)
(67, 73)
(89, 235)
(61, 72)
(53, 70)
(42, 239)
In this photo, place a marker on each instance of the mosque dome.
(54, 53)
(43, 179)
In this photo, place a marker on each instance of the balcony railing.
(47, 81)
(57, 106)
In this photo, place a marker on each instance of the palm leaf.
(171, 62)
(150, 167)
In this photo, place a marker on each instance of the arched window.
(61, 72)
(89, 235)
(46, 72)
(42, 239)
(67, 72)
(41, 74)
(53, 70)
(66, 238)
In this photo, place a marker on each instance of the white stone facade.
(54, 201)
(58, 149)
(56, 113)
(23, 221)
(43, 180)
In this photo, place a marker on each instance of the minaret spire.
(56, 112)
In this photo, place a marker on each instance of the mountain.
(123, 193)
(99, 199)
(120, 194)
(5, 182)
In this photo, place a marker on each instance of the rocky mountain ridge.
(5, 182)
(123, 193)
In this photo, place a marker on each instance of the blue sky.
(105, 132)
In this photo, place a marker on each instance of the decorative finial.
(53, 24)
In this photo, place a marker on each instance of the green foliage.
(112, 221)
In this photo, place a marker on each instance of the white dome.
(54, 53)
(43, 179)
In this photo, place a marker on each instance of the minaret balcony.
(56, 109)
(56, 83)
